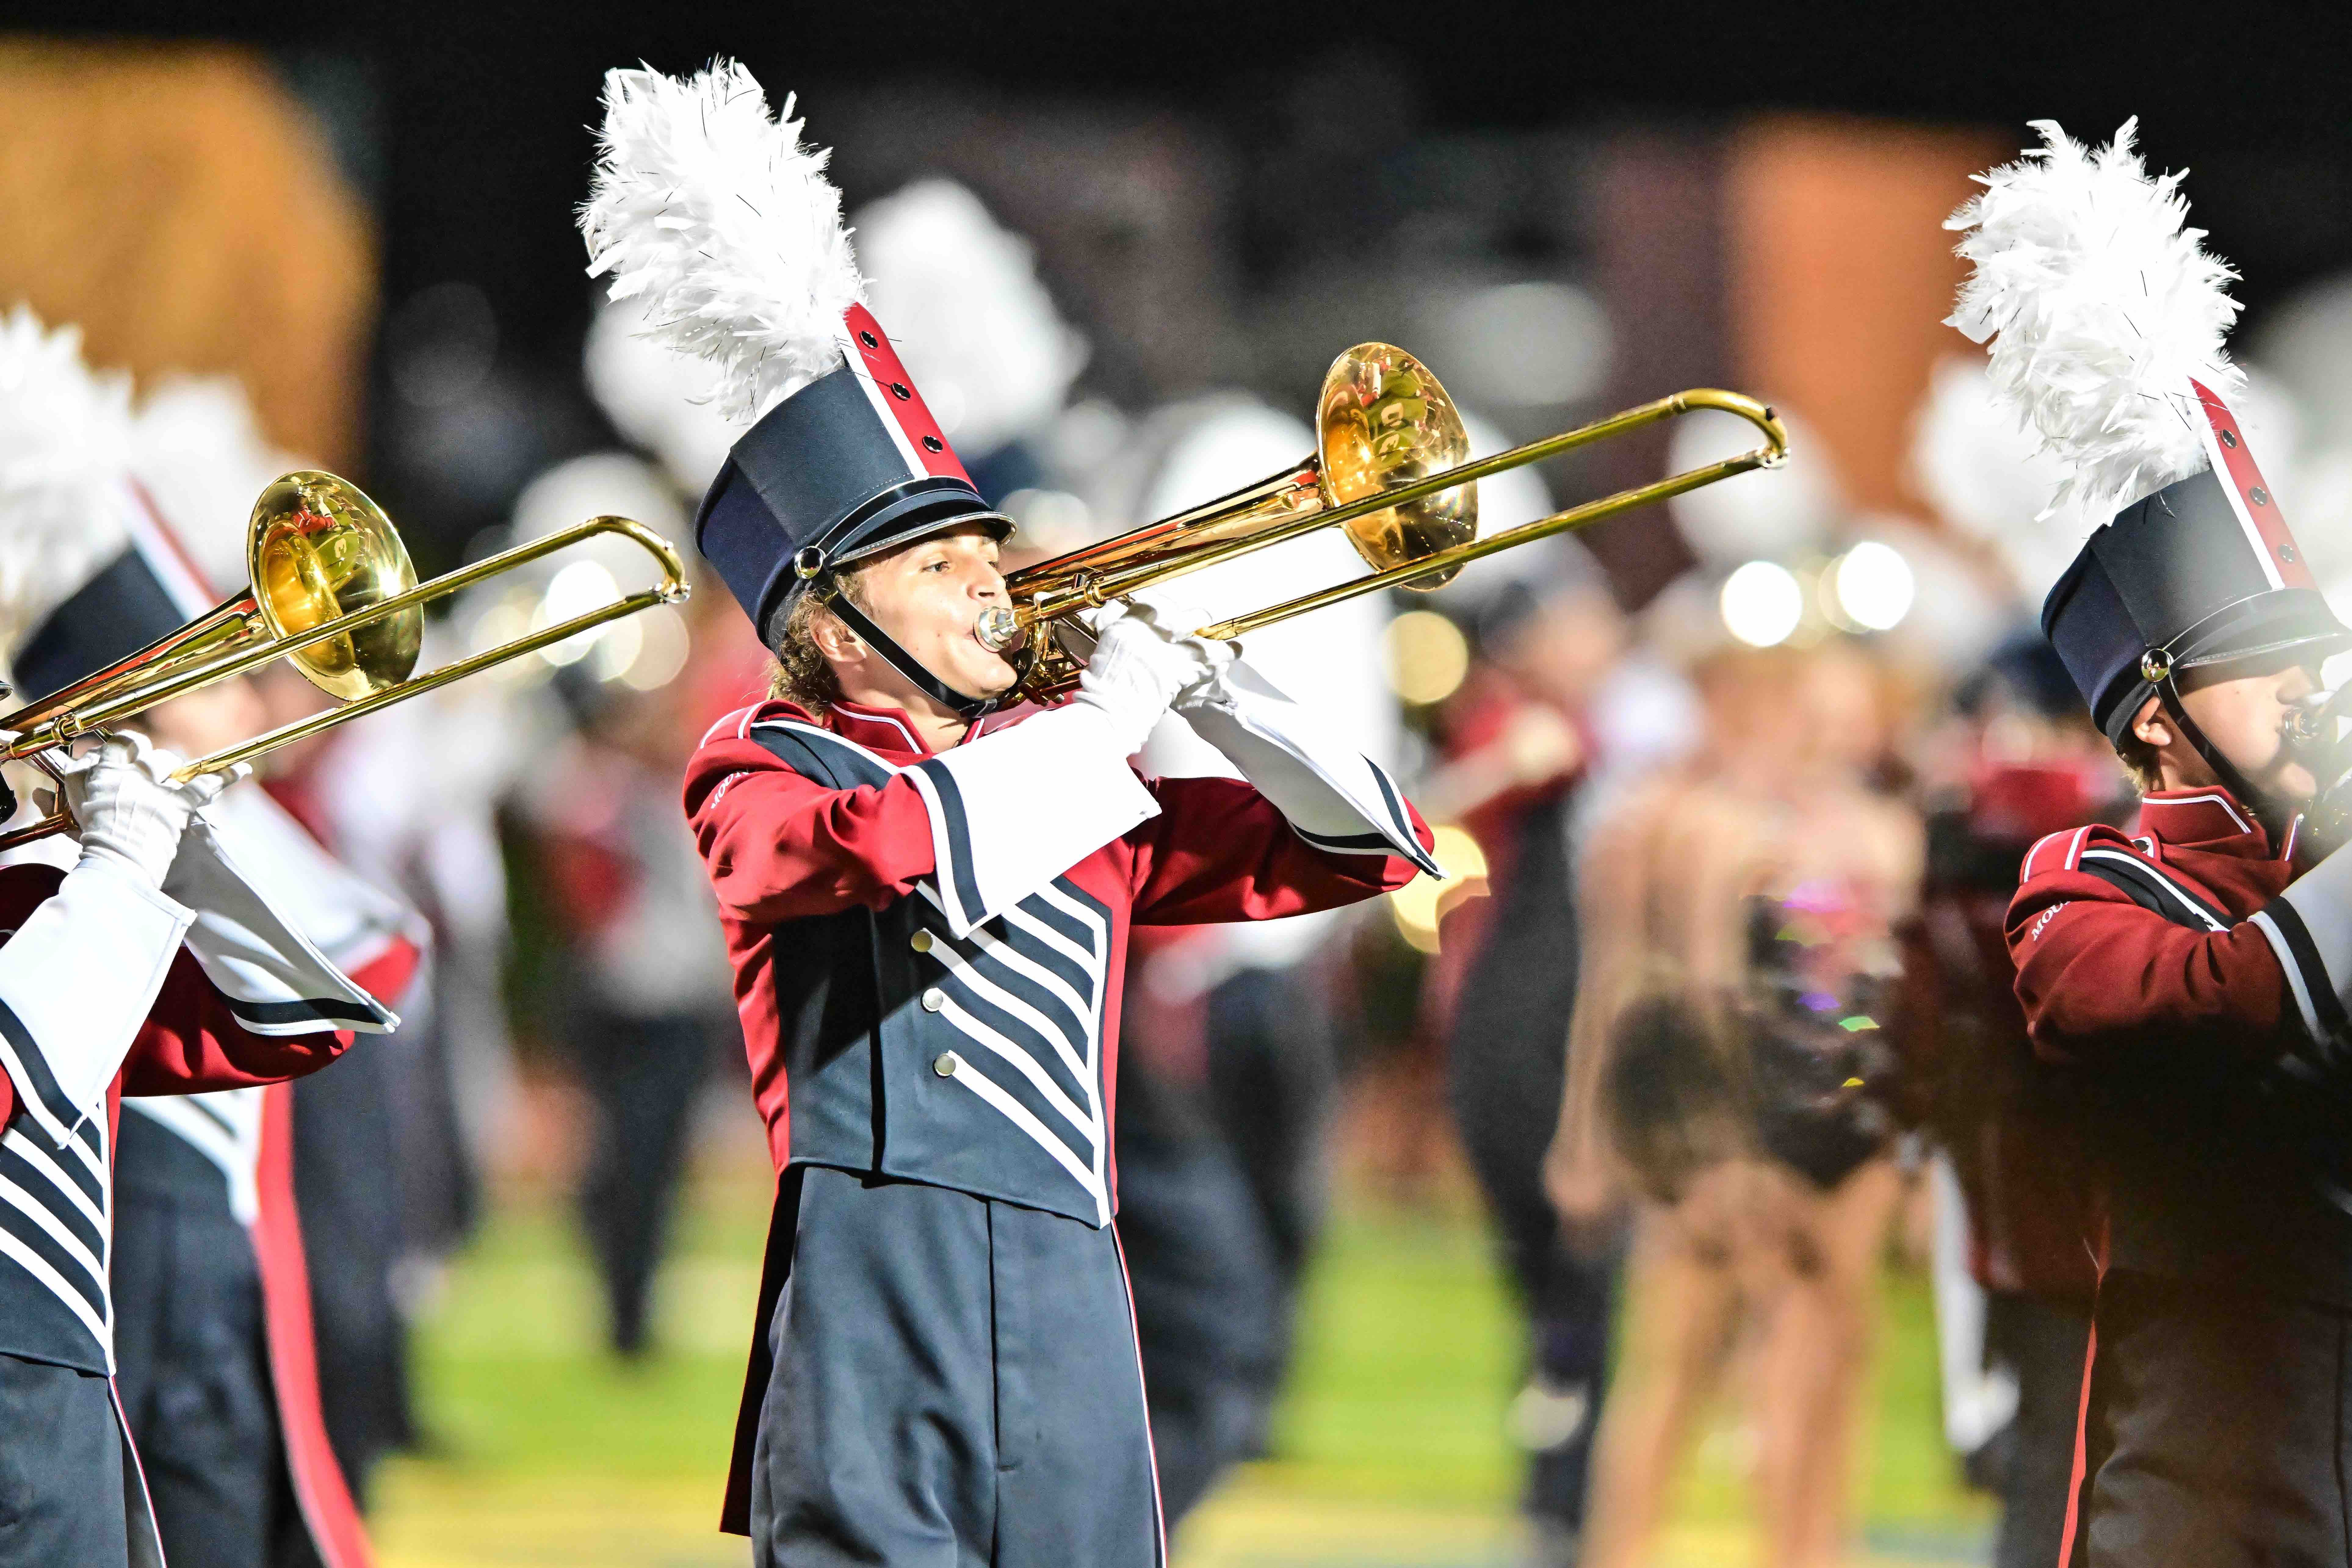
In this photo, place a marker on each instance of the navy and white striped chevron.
(57, 1229)
(1023, 990)
(1027, 990)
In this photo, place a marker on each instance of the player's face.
(928, 596)
(2245, 714)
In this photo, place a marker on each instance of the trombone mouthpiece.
(999, 630)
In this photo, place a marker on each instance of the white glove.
(1141, 664)
(127, 807)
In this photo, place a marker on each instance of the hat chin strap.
(2272, 814)
(968, 708)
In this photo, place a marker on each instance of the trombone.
(1391, 467)
(332, 589)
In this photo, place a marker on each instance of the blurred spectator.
(1738, 918)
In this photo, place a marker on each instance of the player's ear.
(834, 639)
(2152, 725)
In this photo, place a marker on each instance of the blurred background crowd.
(1667, 1185)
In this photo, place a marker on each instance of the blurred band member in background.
(1516, 750)
(199, 460)
(1227, 1095)
(151, 964)
(1737, 953)
(926, 908)
(645, 981)
(2010, 1133)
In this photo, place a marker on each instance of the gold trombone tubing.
(67, 727)
(1096, 590)
(1770, 455)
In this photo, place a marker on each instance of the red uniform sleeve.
(1220, 851)
(780, 845)
(192, 1043)
(2104, 981)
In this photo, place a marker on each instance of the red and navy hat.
(150, 589)
(849, 466)
(2203, 572)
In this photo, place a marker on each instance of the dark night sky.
(483, 108)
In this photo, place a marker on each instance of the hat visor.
(2280, 621)
(920, 517)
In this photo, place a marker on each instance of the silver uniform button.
(934, 999)
(945, 1065)
(920, 941)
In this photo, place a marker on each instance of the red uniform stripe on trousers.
(2077, 1489)
(320, 1490)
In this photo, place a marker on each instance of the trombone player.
(147, 963)
(926, 895)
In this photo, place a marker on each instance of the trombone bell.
(318, 549)
(1382, 422)
(334, 591)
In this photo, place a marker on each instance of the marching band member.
(928, 898)
(163, 1248)
(226, 1343)
(2193, 976)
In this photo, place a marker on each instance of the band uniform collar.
(2210, 820)
(881, 729)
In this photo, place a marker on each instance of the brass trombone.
(1390, 466)
(332, 589)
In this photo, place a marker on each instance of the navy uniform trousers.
(66, 1493)
(193, 1361)
(955, 1385)
(2199, 1454)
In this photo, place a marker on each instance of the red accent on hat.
(926, 443)
(2256, 506)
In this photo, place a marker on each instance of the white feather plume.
(2100, 306)
(200, 454)
(719, 218)
(65, 448)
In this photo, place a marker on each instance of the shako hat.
(89, 570)
(849, 466)
(2107, 318)
(717, 218)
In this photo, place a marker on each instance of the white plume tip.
(718, 218)
(2100, 306)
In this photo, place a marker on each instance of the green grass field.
(1391, 1447)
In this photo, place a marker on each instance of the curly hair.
(2140, 759)
(801, 675)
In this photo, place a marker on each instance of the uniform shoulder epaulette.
(2124, 864)
(737, 726)
(2064, 851)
